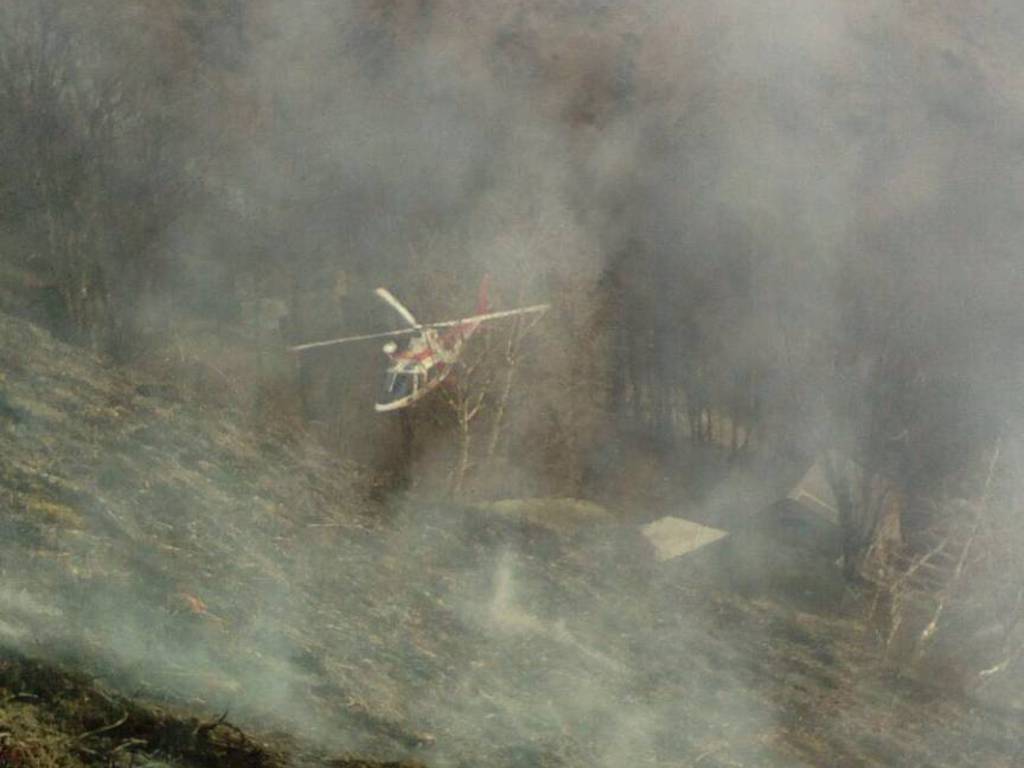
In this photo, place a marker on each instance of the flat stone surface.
(673, 537)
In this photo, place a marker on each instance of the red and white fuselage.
(422, 365)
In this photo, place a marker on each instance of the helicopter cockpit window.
(398, 385)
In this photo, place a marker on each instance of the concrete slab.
(674, 537)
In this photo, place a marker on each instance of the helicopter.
(431, 350)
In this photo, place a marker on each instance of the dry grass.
(209, 567)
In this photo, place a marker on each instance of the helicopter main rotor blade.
(347, 339)
(490, 316)
(398, 306)
(419, 328)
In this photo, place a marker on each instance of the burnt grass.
(179, 589)
(51, 715)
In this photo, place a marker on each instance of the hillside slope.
(168, 559)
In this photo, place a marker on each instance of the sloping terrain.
(163, 566)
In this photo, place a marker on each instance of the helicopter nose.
(390, 348)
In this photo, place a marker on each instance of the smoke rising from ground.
(797, 196)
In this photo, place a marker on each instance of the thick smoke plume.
(798, 219)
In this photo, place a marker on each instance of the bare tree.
(54, 127)
(954, 592)
(88, 166)
(467, 394)
(478, 395)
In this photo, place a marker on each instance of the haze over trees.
(796, 236)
